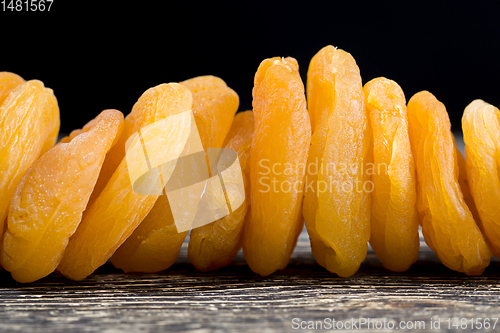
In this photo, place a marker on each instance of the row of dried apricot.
(357, 164)
(417, 173)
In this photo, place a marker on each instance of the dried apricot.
(337, 195)
(215, 245)
(118, 210)
(8, 81)
(155, 244)
(465, 187)
(280, 147)
(394, 216)
(321, 85)
(214, 106)
(51, 197)
(481, 128)
(29, 122)
(447, 222)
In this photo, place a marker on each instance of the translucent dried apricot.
(394, 216)
(8, 81)
(214, 106)
(321, 85)
(215, 245)
(155, 244)
(29, 122)
(465, 187)
(447, 222)
(118, 210)
(337, 195)
(280, 147)
(51, 197)
(481, 128)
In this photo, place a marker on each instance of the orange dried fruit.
(214, 107)
(29, 123)
(51, 197)
(394, 216)
(118, 210)
(280, 147)
(465, 187)
(8, 81)
(155, 244)
(321, 85)
(447, 222)
(481, 128)
(337, 195)
(215, 245)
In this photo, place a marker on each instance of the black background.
(98, 55)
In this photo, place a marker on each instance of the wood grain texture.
(234, 299)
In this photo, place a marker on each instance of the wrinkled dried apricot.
(464, 186)
(51, 197)
(155, 244)
(321, 85)
(447, 222)
(214, 106)
(29, 123)
(481, 128)
(8, 81)
(280, 147)
(394, 217)
(215, 245)
(337, 195)
(118, 209)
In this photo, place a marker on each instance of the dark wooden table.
(235, 299)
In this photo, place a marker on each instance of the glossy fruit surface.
(8, 81)
(338, 188)
(280, 147)
(394, 217)
(155, 244)
(448, 225)
(29, 108)
(51, 197)
(215, 245)
(481, 128)
(118, 210)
